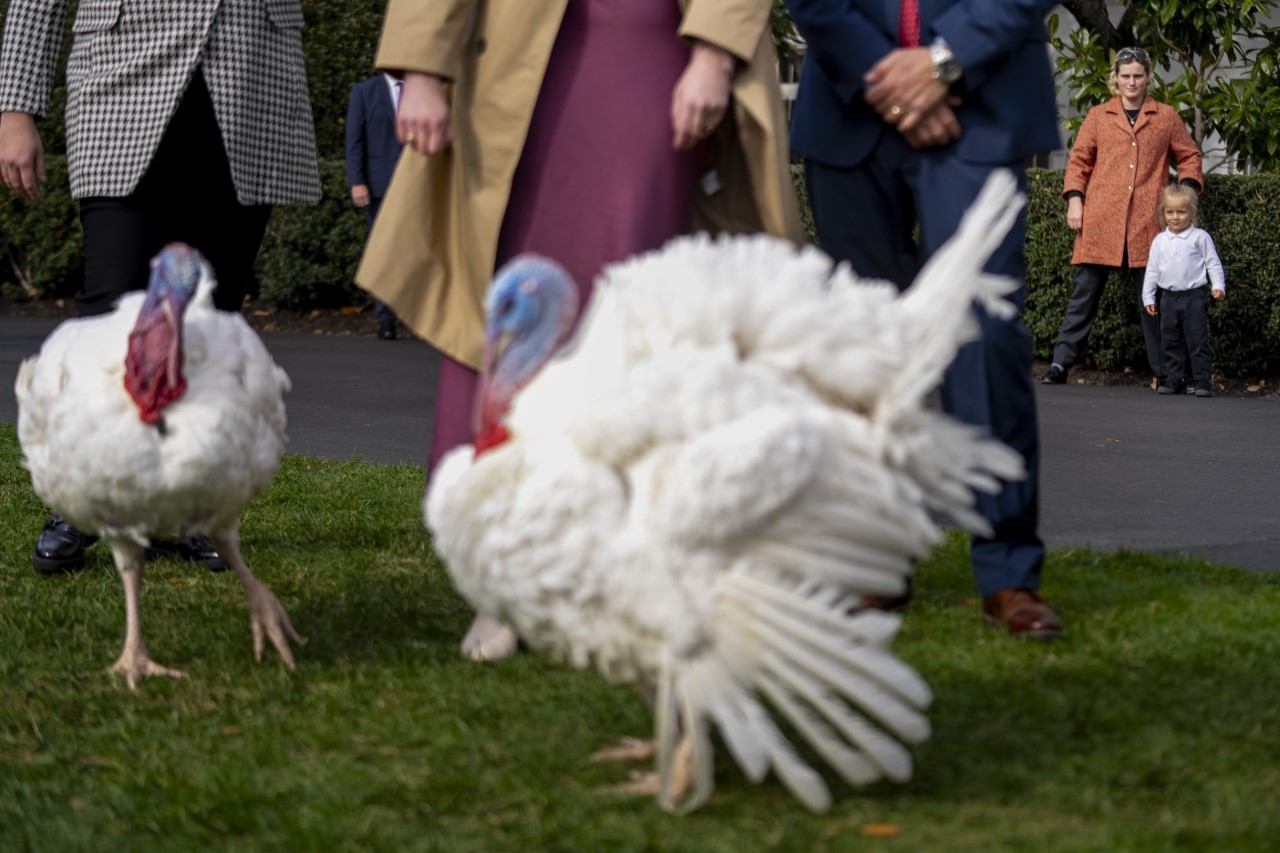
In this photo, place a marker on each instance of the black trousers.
(1184, 327)
(1087, 286)
(866, 215)
(186, 195)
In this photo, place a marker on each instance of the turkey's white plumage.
(700, 491)
(95, 462)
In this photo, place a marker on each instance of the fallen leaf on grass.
(879, 830)
(1254, 389)
(264, 312)
(231, 730)
(349, 309)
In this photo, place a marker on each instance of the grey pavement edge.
(1120, 467)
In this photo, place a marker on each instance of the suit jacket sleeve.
(734, 25)
(425, 36)
(842, 40)
(29, 54)
(982, 33)
(356, 147)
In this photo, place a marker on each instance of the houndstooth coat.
(131, 61)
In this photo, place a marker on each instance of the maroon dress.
(598, 179)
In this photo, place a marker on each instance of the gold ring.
(895, 110)
(408, 140)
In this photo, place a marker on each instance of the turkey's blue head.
(153, 364)
(532, 307)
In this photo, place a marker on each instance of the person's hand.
(902, 88)
(938, 127)
(21, 155)
(360, 195)
(424, 121)
(1219, 295)
(701, 96)
(1151, 309)
(1075, 213)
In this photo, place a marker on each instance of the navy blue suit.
(869, 189)
(372, 147)
(372, 151)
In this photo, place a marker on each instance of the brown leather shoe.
(1023, 613)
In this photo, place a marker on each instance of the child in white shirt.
(1182, 269)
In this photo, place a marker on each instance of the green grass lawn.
(1154, 726)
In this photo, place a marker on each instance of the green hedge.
(310, 252)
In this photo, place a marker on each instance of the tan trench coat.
(432, 251)
(1122, 172)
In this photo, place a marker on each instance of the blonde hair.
(1128, 56)
(1179, 192)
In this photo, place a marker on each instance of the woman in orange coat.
(1117, 170)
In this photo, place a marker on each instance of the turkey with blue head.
(701, 488)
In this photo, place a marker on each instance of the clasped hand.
(902, 89)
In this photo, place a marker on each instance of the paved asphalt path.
(1121, 467)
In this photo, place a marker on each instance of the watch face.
(945, 67)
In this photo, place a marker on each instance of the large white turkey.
(160, 419)
(699, 491)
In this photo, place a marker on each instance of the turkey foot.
(136, 665)
(650, 784)
(628, 749)
(266, 616)
(488, 639)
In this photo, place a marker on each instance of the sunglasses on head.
(1129, 54)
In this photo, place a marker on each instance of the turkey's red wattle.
(153, 368)
(495, 436)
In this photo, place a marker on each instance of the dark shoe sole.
(55, 566)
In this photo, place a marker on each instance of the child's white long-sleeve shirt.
(1182, 261)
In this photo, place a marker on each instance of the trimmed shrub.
(339, 42)
(310, 252)
(41, 245)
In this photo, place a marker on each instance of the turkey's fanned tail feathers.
(938, 307)
(825, 671)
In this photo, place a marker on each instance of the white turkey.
(160, 419)
(700, 490)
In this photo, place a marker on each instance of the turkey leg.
(134, 661)
(266, 616)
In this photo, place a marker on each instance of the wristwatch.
(945, 67)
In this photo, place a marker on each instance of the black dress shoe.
(1056, 375)
(192, 549)
(386, 331)
(60, 547)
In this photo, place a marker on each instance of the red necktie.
(909, 24)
